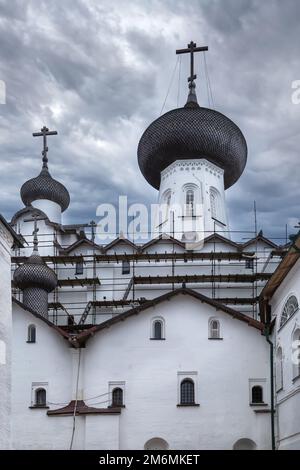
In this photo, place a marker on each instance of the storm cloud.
(99, 72)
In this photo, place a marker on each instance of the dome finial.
(192, 47)
(44, 132)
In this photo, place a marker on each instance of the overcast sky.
(98, 71)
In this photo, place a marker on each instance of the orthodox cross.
(192, 47)
(35, 218)
(44, 132)
(93, 225)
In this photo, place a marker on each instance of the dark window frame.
(187, 392)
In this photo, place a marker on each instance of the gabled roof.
(18, 239)
(260, 238)
(160, 238)
(217, 237)
(117, 241)
(80, 242)
(40, 317)
(84, 336)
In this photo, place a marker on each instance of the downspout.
(267, 335)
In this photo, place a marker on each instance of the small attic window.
(79, 268)
(125, 267)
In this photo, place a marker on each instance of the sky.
(99, 72)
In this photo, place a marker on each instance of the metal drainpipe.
(267, 334)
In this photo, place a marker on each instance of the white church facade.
(187, 341)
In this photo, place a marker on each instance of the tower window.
(214, 329)
(40, 397)
(31, 334)
(125, 267)
(187, 392)
(190, 202)
(79, 268)
(215, 204)
(117, 397)
(279, 370)
(257, 394)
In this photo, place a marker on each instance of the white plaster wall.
(50, 208)
(149, 369)
(288, 399)
(47, 360)
(5, 337)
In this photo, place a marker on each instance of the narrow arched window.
(40, 397)
(187, 392)
(117, 397)
(296, 354)
(290, 307)
(190, 201)
(279, 369)
(157, 330)
(214, 329)
(31, 334)
(215, 204)
(257, 394)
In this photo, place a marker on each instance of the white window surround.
(190, 199)
(36, 386)
(296, 352)
(290, 307)
(258, 383)
(163, 328)
(192, 375)
(111, 386)
(216, 209)
(214, 333)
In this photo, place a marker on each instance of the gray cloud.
(98, 72)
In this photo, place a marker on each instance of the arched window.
(257, 394)
(156, 444)
(157, 328)
(214, 329)
(167, 197)
(244, 444)
(187, 392)
(40, 397)
(31, 334)
(215, 204)
(290, 307)
(296, 353)
(279, 369)
(117, 397)
(190, 201)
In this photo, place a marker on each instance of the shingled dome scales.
(192, 132)
(35, 279)
(44, 186)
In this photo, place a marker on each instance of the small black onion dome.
(45, 187)
(35, 273)
(192, 132)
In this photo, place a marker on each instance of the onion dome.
(192, 132)
(34, 273)
(44, 186)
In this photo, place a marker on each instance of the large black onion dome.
(35, 273)
(45, 187)
(192, 132)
